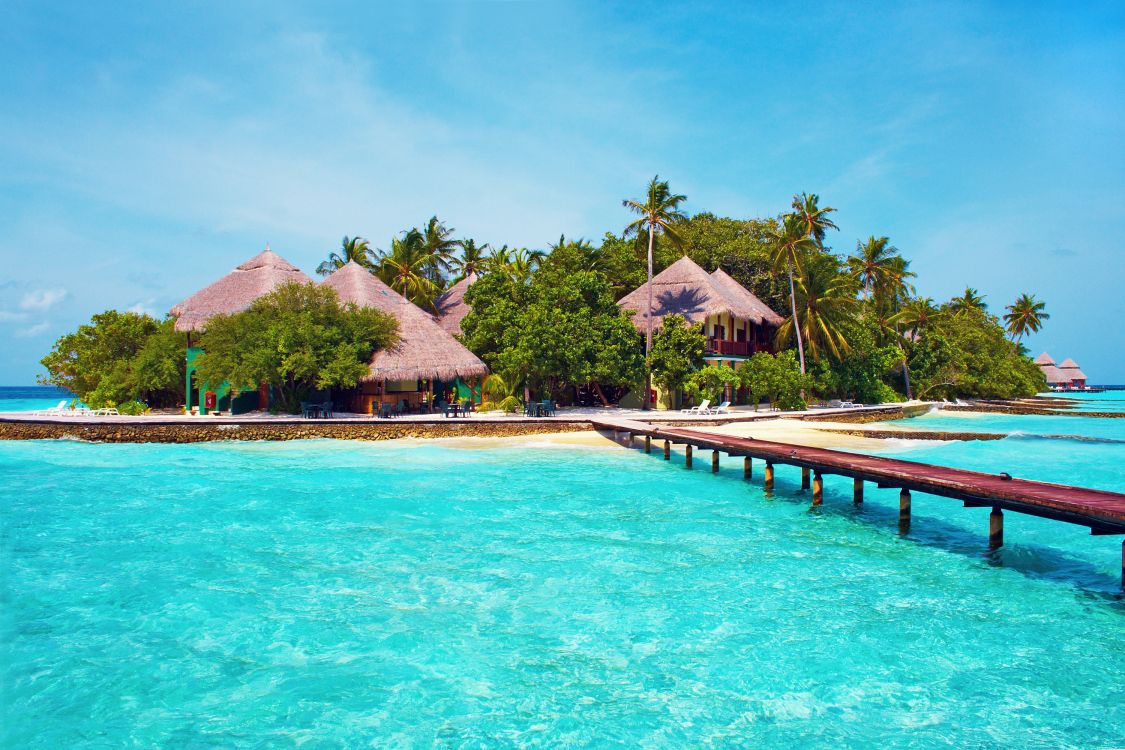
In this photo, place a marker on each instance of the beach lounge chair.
(51, 411)
(723, 408)
(703, 408)
(107, 411)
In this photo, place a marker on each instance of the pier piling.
(714, 461)
(768, 482)
(667, 449)
(747, 467)
(687, 456)
(857, 491)
(817, 489)
(648, 443)
(995, 528)
(804, 477)
(904, 510)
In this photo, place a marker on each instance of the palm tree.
(351, 249)
(471, 260)
(1025, 316)
(814, 217)
(440, 246)
(826, 300)
(498, 260)
(790, 244)
(523, 264)
(918, 315)
(971, 299)
(659, 213)
(877, 266)
(405, 268)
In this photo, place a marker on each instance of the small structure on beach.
(451, 305)
(426, 363)
(736, 323)
(1067, 376)
(232, 293)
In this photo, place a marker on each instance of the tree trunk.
(796, 323)
(906, 377)
(647, 403)
(598, 390)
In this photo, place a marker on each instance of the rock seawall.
(201, 433)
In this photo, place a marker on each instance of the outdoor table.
(452, 410)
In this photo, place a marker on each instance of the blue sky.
(148, 148)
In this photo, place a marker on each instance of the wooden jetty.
(1101, 511)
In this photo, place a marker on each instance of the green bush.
(511, 405)
(132, 408)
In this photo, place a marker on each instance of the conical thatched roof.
(685, 289)
(234, 292)
(1071, 371)
(451, 305)
(1044, 359)
(1054, 375)
(424, 351)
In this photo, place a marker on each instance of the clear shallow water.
(335, 594)
(1105, 401)
(1026, 425)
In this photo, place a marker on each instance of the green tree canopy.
(119, 357)
(677, 351)
(297, 338)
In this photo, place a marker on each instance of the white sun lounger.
(52, 410)
(723, 408)
(701, 409)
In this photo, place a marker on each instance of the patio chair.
(723, 408)
(549, 408)
(107, 411)
(466, 407)
(401, 408)
(327, 409)
(703, 408)
(532, 409)
(386, 411)
(52, 411)
(450, 410)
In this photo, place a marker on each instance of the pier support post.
(857, 491)
(804, 477)
(904, 510)
(769, 476)
(817, 489)
(747, 467)
(687, 456)
(995, 528)
(667, 449)
(714, 461)
(1123, 563)
(648, 443)
(629, 439)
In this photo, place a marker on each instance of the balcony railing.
(733, 348)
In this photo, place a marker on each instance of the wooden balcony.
(733, 348)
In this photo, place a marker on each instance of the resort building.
(427, 364)
(232, 293)
(736, 323)
(1066, 376)
(451, 305)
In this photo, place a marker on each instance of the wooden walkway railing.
(1102, 511)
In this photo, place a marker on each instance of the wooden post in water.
(687, 456)
(714, 461)
(629, 439)
(768, 483)
(1123, 563)
(857, 490)
(904, 510)
(996, 528)
(667, 450)
(817, 489)
(804, 477)
(747, 467)
(648, 443)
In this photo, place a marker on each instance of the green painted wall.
(243, 402)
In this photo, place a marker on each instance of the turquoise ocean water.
(31, 398)
(337, 594)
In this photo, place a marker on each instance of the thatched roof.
(686, 289)
(451, 307)
(234, 292)
(1054, 375)
(1044, 359)
(1071, 370)
(424, 351)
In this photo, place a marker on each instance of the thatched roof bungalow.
(425, 351)
(234, 292)
(1065, 375)
(451, 305)
(736, 322)
(1073, 372)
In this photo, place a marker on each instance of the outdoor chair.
(466, 407)
(386, 411)
(532, 409)
(450, 410)
(52, 411)
(701, 409)
(548, 408)
(723, 408)
(326, 409)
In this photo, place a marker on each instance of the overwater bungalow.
(232, 293)
(425, 366)
(1067, 376)
(736, 323)
(451, 306)
(1075, 378)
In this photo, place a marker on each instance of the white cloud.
(42, 299)
(145, 308)
(7, 316)
(34, 330)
